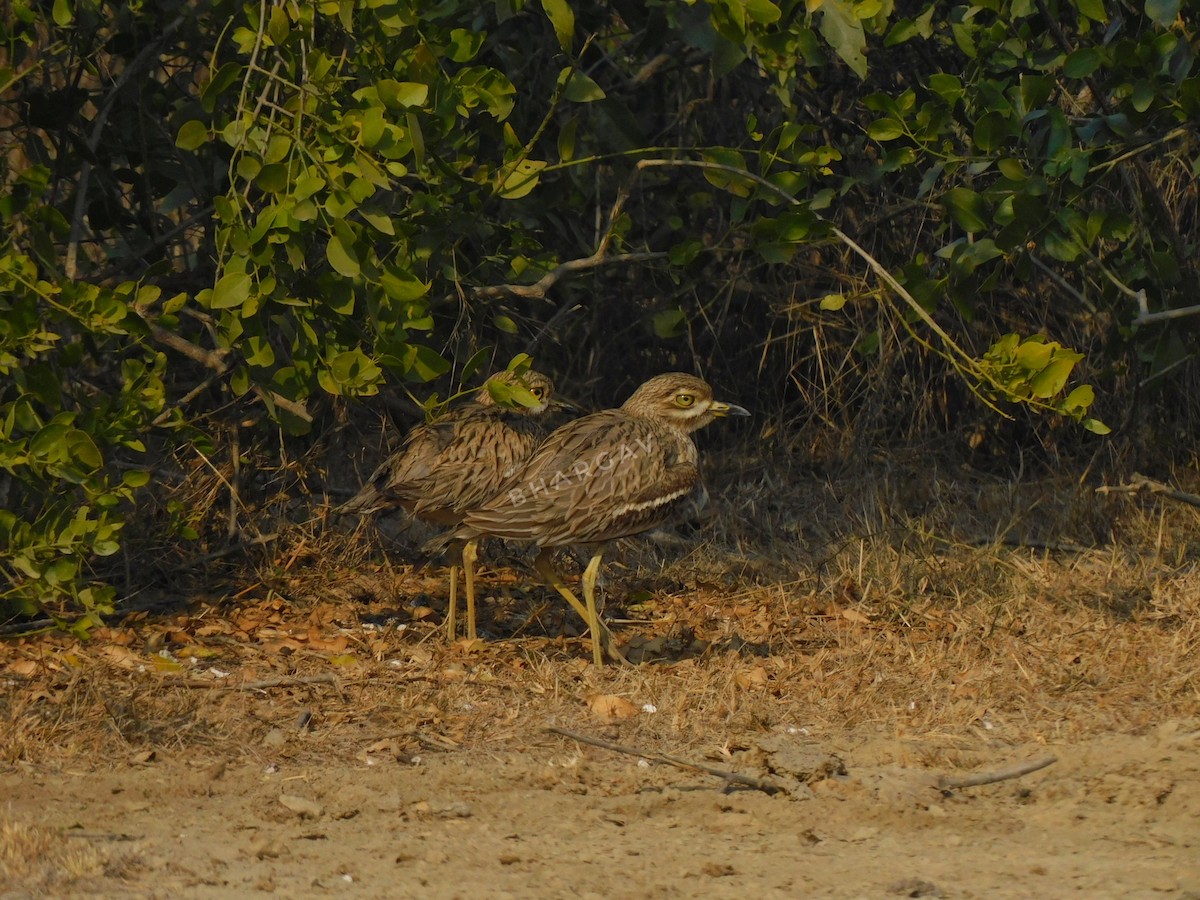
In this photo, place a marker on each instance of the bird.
(459, 461)
(609, 475)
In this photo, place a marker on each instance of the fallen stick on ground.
(1138, 483)
(282, 681)
(954, 782)
(759, 784)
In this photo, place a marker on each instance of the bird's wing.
(449, 465)
(598, 478)
(487, 450)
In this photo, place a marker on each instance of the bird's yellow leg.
(601, 636)
(588, 583)
(452, 611)
(470, 553)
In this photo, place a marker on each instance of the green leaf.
(258, 352)
(475, 362)
(373, 126)
(342, 257)
(948, 87)
(192, 136)
(1079, 399)
(403, 286)
(522, 180)
(991, 131)
(504, 323)
(135, 478)
(1034, 355)
(221, 81)
(833, 302)
(1162, 12)
(84, 449)
(581, 89)
(762, 11)
(381, 222)
(277, 26)
(1012, 169)
(520, 364)
(562, 18)
(1094, 9)
(402, 94)
(1095, 426)
(566, 140)
(248, 166)
(728, 181)
(422, 363)
(1053, 378)
(464, 44)
(668, 323)
(63, 13)
(967, 208)
(885, 129)
(49, 442)
(1082, 62)
(273, 178)
(231, 291)
(844, 32)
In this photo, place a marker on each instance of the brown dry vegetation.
(909, 623)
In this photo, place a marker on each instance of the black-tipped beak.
(558, 402)
(717, 408)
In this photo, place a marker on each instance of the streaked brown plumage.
(457, 463)
(609, 475)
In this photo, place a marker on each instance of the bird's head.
(679, 400)
(528, 392)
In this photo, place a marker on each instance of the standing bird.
(609, 475)
(458, 462)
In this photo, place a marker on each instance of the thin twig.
(229, 551)
(1062, 283)
(759, 784)
(282, 681)
(954, 782)
(1023, 543)
(541, 287)
(25, 628)
(1166, 314)
(599, 257)
(220, 362)
(1139, 483)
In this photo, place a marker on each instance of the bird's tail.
(365, 502)
(435, 548)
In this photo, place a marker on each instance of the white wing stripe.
(628, 508)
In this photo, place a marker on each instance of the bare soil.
(307, 730)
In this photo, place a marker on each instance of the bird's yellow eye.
(538, 392)
(683, 401)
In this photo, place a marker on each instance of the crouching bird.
(459, 461)
(605, 476)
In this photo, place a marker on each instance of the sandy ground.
(307, 735)
(1115, 816)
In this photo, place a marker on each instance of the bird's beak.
(717, 408)
(558, 402)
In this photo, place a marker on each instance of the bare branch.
(570, 268)
(1140, 483)
(1166, 314)
(759, 784)
(953, 783)
(286, 681)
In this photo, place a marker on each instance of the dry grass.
(901, 606)
(42, 861)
